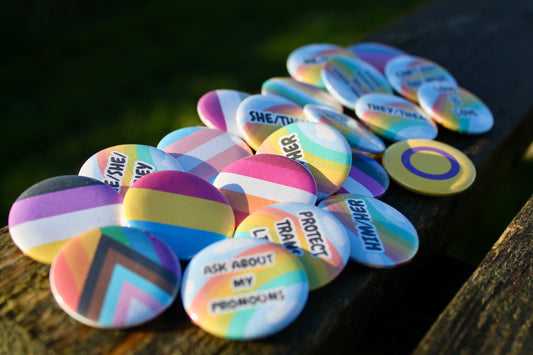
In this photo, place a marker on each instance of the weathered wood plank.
(483, 43)
(493, 312)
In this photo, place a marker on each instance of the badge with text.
(305, 63)
(407, 74)
(319, 147)
(455, 108)
(394, 118)
(120, 166)
(429, 167)
(380, 236)
(308, 232)
(347, 79)
(260, 115)
(244, 288)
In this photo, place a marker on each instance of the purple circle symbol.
(406, 161)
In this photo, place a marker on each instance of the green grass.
(82, 77)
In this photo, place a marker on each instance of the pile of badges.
(267, 201)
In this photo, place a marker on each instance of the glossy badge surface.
(429, 167)
(357, 135)
(115, 277)
(120, 166)
(305, 63)
(319, 147)
(264, 179)
(204, 151)
(49, 213)
(299, 92)
(244, 289)
(308, 232)
(347, 79)
(218, 109)
(377, 54)
(184, 210)
(407, 74)
(380, 236)
(260, 115)
(455, 108)
(394, 118)
(367, 177)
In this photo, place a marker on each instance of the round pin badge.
(218, 109)
(115, 277)
(455, 108)
(376, 54)
(429, 167)
(394, 118)
(347, 79)
(305, 63)
(366, 178)
(264, 179)
(48, 214)
(299, 92)
(380, 236)
(120, 166)
(185, 211)
(407, 74)
(260, 115)
(318, 147)
(204, 151)
(244, 289)
(357, 135)
(308, 232)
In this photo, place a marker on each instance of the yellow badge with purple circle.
(319, 147)
(407, 73)
(310, 233)
(380, 235)
(244, 288)
(429, 167)
(455, 108)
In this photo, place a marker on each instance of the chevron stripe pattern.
(115, 277)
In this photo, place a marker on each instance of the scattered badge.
(218, 109)
(262, 180)
(299, 92)
(310, 233)
(120, 166)
(429, 167)
(184, 210)
(204, 151)
(377, 54)
(357, 135)
(367, 177)
(305, 63)
(407, 74)
(244, 288)
(394, 118)
(115, 277)
(49, 213)
(380, 236)
(260, 115)
(318, 147)
(455, 108)
(347, 79)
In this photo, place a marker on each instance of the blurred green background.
(82, 76)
